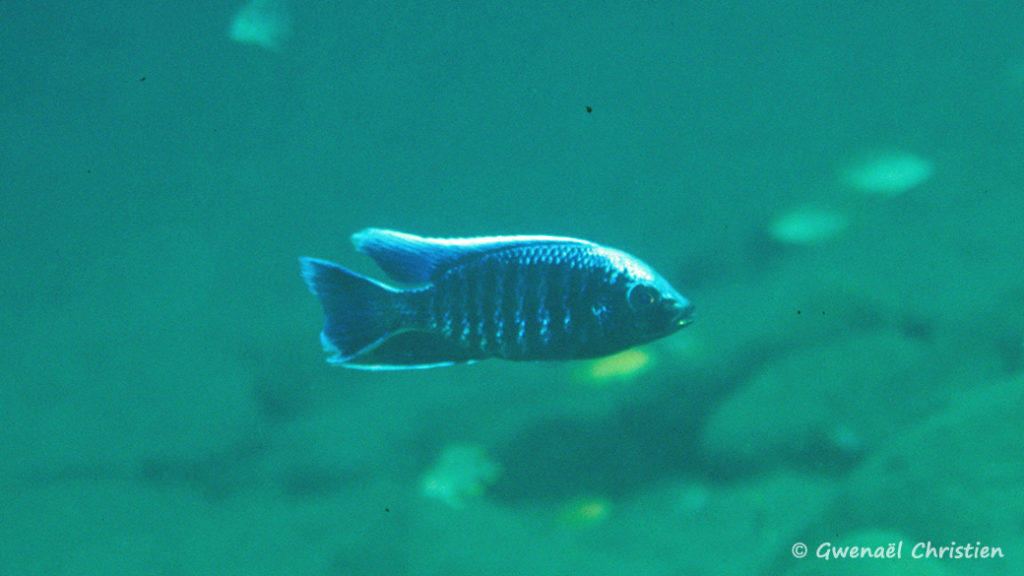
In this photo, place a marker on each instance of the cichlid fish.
(512, 297)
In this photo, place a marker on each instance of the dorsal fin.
(414, 260)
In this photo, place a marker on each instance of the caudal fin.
(358, 312)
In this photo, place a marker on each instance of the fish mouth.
(684, 314)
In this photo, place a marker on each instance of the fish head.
(641, 305)
(653, 309)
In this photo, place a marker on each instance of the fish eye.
(642, 297)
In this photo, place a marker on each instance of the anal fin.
(412, 349)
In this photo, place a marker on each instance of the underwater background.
(837, 186)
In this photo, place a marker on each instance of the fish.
(462, 300)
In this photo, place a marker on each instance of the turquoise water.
(857, 380)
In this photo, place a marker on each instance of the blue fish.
(512, 297)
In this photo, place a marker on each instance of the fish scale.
(541, 304)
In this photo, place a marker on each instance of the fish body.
(511, 297)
